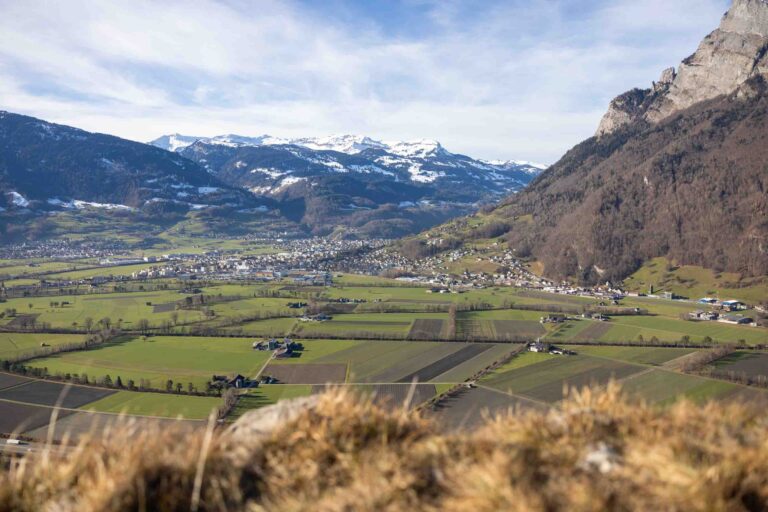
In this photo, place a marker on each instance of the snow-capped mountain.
(49, 167)
(420, 161)
(356, 180)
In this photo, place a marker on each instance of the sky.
(494, 79)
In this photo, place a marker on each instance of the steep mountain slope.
(368, 186)
(678, 170)
(61, 181)
(49, 166)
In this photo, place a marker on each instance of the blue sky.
(492, 79)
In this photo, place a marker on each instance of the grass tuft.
(595, 451)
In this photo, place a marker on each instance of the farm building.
(546, 348)
(320, 317)
(703, 315)
(734, 305)
(736, 319)
(552, 319)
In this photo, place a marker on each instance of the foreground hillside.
(595, 452)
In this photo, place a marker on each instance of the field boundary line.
(91, 411)
(513, 395)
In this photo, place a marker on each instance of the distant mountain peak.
(343, 143)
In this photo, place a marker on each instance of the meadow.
(156, 404)
(160, 358)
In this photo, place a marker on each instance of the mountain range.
(679, 169)
(345, 185)
(364, 185)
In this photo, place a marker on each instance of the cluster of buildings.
(280, 349)
(62, 249)
(721, 311)
(547, 348)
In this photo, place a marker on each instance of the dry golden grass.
(596, 452)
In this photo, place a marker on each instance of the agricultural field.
(644, 372)
(72, 311)
(750, 364)
(387, 361)
(374, 326)
(665, 329)
(665, 387)
(387, 339)
(159, 358)
(470, 406)
(642, 355)
(13, 344)
(545, 381)
(155, 404)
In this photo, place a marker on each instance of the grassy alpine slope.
(596, 451)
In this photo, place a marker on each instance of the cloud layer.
(495, 79)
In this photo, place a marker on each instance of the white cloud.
(512, 80)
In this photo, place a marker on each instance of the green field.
(15, 344)
(319, 351)
(663, 328)
(270, 327)
(642, 355)
(544, 380)
(160, 358)
(386, 361)
(156, 404)
(128, 307)
(663, 387)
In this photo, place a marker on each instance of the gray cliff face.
(725, 59)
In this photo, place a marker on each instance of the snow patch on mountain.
(18, 199)
(272, 173)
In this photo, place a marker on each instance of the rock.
(735, 52)
(260, 423)
(623, 110)
(665, 80)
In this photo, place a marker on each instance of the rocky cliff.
(735, 52)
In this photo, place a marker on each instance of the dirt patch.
(420, 301)
(468, 407)
(594, 332)
(39, 392)
(7, 380)
(744, 363)
(16, 418)
(441, 366)
(368, 323)
(475, 330)
(553, 391)
(554, 297)
(335, 307)
(307, 373)
(20, 321)
(426, 329)
(393, 395)
(515, 329)
(164, 308)
(110, 297)
(77, 424)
